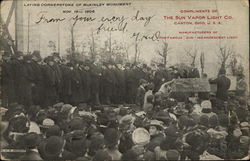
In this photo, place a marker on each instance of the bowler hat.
(102, 155)
(172, 131)
(77, 124)
(111, 136)
(31, 140)
(204, 120)
(54, 146)
(53, 131)
(95, 144)
(36, 53)
(79, 147)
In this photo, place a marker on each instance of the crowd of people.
(31, 80)
(54, 113)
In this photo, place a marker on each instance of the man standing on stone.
(223, 84)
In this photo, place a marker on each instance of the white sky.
(238, 26)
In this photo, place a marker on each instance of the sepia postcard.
(124, 79)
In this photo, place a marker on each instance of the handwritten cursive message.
(113, 23)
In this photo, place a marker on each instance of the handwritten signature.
(138, 36)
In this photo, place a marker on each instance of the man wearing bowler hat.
(31, 141)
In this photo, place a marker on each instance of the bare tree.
(72, 38)
(225, 52)
(234, 64)
(92, 46)
(164, 52)
(191, 53)
(110, 44)
(137, 50)
(202, 61)
(126, 50)
(138, 55)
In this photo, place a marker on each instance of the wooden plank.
(10, 14)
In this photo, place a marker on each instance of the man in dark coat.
(76, 85)
(95, 83)
(86, 80)
(141, 93)
(120, 75)
(50, 82)
(137, 70)
(115, 79)
(22, 72)
(66, 70)
(144, 73)
(7, 81)
(56, 67)
(36, 78)
(223, 84)
(107, 83)
(130, 84)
